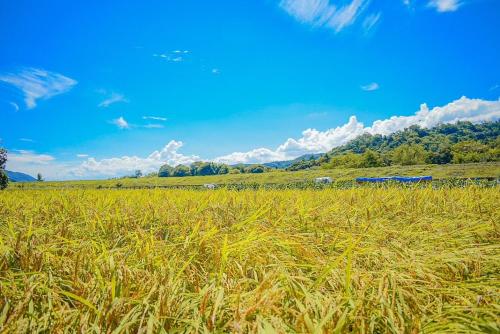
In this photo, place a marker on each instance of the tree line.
(201, 168)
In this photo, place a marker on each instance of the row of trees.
(208, 168)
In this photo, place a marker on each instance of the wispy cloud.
(29, 157)
(317, 115)
(175, 56)
(324, 13)
(494, 87)
(121, 123)
(370, 87)
(27, 140)
(370, 22)
(15, 106)
(215, 71)
(113, 98)
(153, 126)
(38, 84)
(155, 118)
(445, 5)
(81, 155)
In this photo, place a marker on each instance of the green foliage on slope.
(463, 142)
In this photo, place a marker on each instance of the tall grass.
(268, 261)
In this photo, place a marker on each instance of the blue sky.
(97, 89)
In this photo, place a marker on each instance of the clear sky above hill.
(101, 88)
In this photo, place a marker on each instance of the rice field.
(360, 260)
(281, 177)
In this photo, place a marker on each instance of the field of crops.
(364, 260)
(472, 170)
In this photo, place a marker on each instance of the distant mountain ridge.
(19, 177)
(287, 163)
(284, 163)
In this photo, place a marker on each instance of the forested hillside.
(462, 142)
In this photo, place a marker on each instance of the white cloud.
(38, 84)
(312, 141)
(121, 123)
(31, 163)
(82, 155)
(153, 126)
(128, 164)
(27, 140)
(113, 98)
(315, 141)
(29, 157)
(15, 106)
(175, 56)
(317, 115)
(445, 5)
(496, 86)
(155, 118)
(215, 71)
(463, 109)
(370, 87)
(322, 13)
(371, 21)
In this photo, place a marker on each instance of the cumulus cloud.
(315, 141)
(370, 87)
(312, 141)
(445, 5)
(113, 98)
(121, 123)
(324, 13)
(463, 109)
(128, 164)
(38, 84)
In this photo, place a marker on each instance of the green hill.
(463, 142)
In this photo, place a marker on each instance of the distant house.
(323, 180)
(210, 185)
